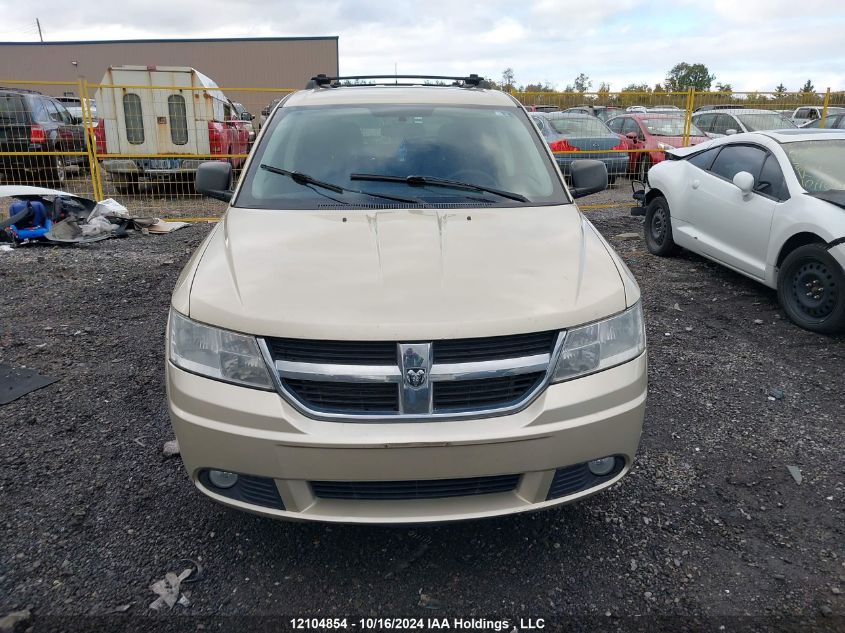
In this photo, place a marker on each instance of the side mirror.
(631, 135)
(587, 176)
(246, 116)
(214, 179)
(730, 131)
(745, 182)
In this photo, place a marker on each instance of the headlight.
(665, 146)
(216, 353)
(601, 345)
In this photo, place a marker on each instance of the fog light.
(599, 467)
(222, 479)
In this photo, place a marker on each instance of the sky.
(750, 44)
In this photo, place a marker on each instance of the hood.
(403, 274)
(678, 141)
(685, 151)
(833, 196)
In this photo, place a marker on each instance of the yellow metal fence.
(140, 144)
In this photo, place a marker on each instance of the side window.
(704, 159)
(736, 158)
(616, 125)
(771, 182)
(705, 122)
(64, 115)
(801, 113)
(829, 122)
(52, 111)
(178, 119)
(227, 112)
(134, 118)
(630, 126)
(39, 110)
(723, 123)
(812, 113)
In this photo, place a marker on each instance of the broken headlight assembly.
(601, 345)
(216, 353)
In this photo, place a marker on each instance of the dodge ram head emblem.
(415, 377)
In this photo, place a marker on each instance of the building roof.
(188, 40)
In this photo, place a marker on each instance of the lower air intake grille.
(567, 481)
(260, 491)
(425, 489)
(456, 395)
(346, 397)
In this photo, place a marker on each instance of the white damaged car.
(769, 205)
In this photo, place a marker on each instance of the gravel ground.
(709, 530)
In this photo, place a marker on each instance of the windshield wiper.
(305, 179)
(419, 181)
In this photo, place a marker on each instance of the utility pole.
(38, 24)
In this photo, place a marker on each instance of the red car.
(652, 131)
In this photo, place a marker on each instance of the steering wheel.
(475, 177)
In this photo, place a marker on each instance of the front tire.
(811, 289)
(642, 168)
(658, 228)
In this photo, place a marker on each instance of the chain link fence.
(141, 142)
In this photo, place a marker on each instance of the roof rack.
(323, 81)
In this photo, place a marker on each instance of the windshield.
(492, 147)
(819, 165)
(580, 126)
(764, 121)
(669, 126)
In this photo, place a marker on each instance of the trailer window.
(133, 118)
(178, 119)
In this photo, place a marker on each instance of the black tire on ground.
(643, 166)
(56, 174)
(127, 185)
(658, 228)
(611, 180)
(811, 289)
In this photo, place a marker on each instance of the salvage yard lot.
(709, 524)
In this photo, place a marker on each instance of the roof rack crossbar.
(324, 80)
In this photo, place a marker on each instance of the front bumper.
(152, 168)
(258, 433)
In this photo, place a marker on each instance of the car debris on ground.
(52, 216)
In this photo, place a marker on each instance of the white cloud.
(754, 44)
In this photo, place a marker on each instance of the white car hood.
(402, 274)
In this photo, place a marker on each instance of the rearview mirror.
(745, 182)
(246, 116)
(214, 179)
(587, 176)
(731, 131)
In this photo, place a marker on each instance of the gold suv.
(404, 317)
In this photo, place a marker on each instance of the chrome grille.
(390, 381)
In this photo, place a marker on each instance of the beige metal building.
(265, 62)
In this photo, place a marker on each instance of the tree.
(508, 79)
(720, 87)
(546, 87)
(636, 88)
(582, 83)
(780, 91)
(808, 87)
(658, 87)
(684, 76)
